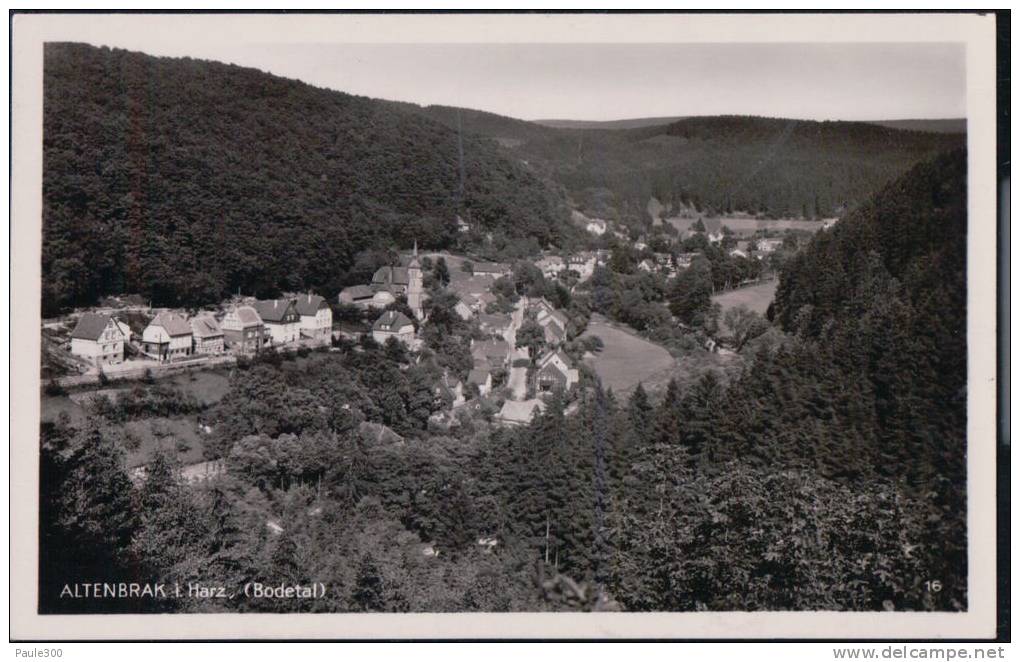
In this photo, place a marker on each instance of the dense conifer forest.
(184, 180)
(776, 168)
(828, 475)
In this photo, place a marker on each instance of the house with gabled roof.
(365, 296)
(519, 412)
(554, 334)
(316, 317)
(495, 323)
(168, 337)
(551, 265)
(392, 279)
(243, 330)
(98, 339)
(684, 260)
(490, 353)
(393, 324)
(482, 378)
(546, 314)
(281, 318)
(464, 308)
(452, 388)
(206, 334)
(583, 264)
(556, 370)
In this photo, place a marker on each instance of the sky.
(606, 81)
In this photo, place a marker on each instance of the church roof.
(390, 276)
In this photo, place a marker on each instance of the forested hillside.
(773, 167)
(183, 180)
(829, 475)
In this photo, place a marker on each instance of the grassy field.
(748, 226)
(626, 358)
(145, 436)
(755, 297)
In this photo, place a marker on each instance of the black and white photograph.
(387, 320)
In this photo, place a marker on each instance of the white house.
(684, 260)
(125, 329)
(596, 226)
(168, 337)
(316, 317)
(546, 314)
(464, 309)
(481, 378)
(243, 330)
(393, 324)
(98, 339)
(556, 370)
(583, 264)
(281, 319)
(207, 335)
(551, 265)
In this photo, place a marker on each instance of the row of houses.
(583, 263)
(170, 336)
(667, 263)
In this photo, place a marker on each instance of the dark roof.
(554, 331)
(478, 376)
(248, 316)
(205, 326)
(491, 348)
(90, 326)
(358, 292)
(547, 359)
(391, 275)
(393, 320)
(496, 320)
(273, 310)
(172, 323)
(552, 370)
(309, 304)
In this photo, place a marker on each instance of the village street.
(517, 381)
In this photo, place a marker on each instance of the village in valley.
(441, 360)
(529, 331)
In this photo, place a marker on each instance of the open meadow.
(626, 358)
(755, 297)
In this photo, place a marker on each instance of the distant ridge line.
(949, 125)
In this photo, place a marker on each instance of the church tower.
(414, 286)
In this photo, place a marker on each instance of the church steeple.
(414, 264)
(414, 284)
